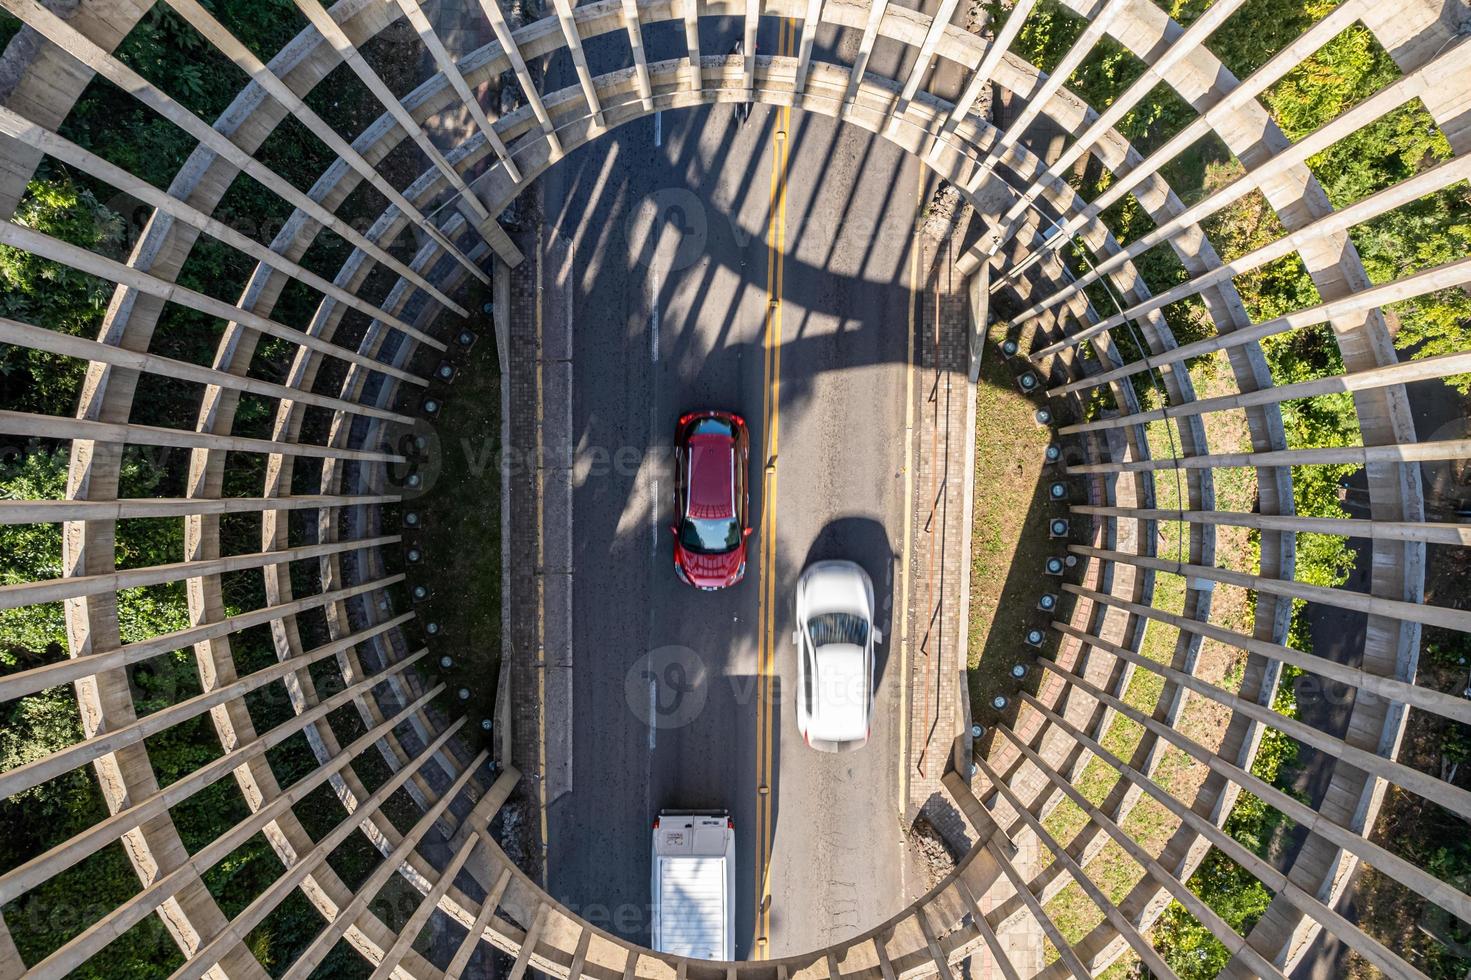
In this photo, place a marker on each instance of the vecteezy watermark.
(669, 227)
(628, 919)
(667, 687)
(425, 457)
(671, 686)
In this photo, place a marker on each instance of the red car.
(711, 499)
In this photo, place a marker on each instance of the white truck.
(694, 885)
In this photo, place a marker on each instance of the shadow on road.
(864, 541)
(653, 338)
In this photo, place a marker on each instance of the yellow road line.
(766, 617)
(914, 269)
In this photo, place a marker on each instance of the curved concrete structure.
(1030, 210)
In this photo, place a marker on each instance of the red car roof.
(712, 481)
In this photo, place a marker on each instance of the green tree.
(33, 727)
(48, 294)
(37, 633)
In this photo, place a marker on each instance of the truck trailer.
(694, 885)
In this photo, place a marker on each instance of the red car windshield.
(709, 537)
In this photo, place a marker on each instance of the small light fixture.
(465, 339)
(976, 731)
(430, 406)
(1047, 602)
(411, 518)
(413, 481)
(1053, 452)
(413, 556)
(1070, 561)
(1042, 416)
(446, 372)
(1027, 382)
(446, 661)
(464, 693)
(1057, 527)
(1057, 490)
(486, 724)
(1034, 639)
(1055, 566)
(1018, 671)
(999, 702)
(420, 592)
(432, 628)
(1008, 347)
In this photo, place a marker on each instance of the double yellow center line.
(770, 414)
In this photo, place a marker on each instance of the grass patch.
(1009, 536)
(461, 538)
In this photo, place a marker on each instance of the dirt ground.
(930, 860)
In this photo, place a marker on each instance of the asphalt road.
(665, 252)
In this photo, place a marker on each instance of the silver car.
(835, 637)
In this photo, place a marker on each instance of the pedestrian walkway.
(944, 449)
(942, 436)
(539, 528)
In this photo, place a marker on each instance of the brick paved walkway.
(524, 585)
(944, 424)
(944, 447)
(539, 523)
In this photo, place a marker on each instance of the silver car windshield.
(838, 627)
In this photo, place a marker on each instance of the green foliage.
(1394, 147)
(1108, 70)
(1049, 32)
(1428, 232)
(1231, 891)
(1257, 30)
(165, 50)
(35, 726)
(1431, 231)
(71, 207)
(1189, 948)
(1436, 324)
(9, 27)
(263, 25)
(51, 295)
(34, 634)
(1448, 649)
(1347, 68)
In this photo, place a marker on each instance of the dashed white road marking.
(654, 315)
(654, 522)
